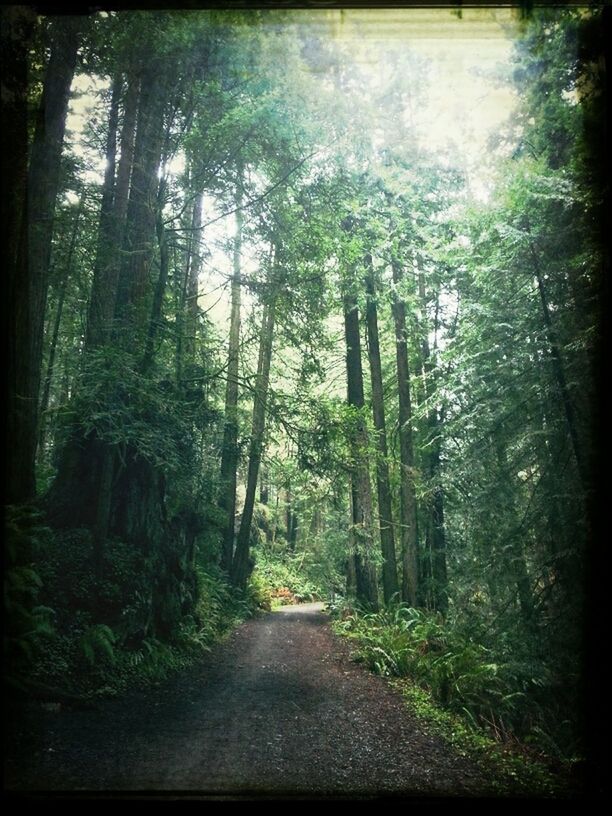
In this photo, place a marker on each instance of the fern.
(98, 640)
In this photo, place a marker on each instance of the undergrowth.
(72, 636)
(282, 577)
(487, 706)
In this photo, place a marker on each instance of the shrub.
(284, 575)
(461, 674)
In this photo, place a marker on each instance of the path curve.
(279, 708)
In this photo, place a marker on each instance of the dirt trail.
(278, 708)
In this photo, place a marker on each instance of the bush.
(96, 638)
(461, 674)
(283, 575)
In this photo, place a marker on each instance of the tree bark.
(408, 515)
(192, 289)
(79, 494)
(229, 454)
(133, 296)
(187, 311)
(28, 283)
(75, 496)
(513, 553)
(160, 288)
(385, 513)
(559, 371)
(435, 538)
(292, 532)
(240, 563)
(112, 219)
(361, 491)
(44, 404)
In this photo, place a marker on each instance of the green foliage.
(29, 623)
(87, 658)
(127, 409)
(97, 643)
(259, 593)
(500, 296)
(285, 578)
(476, 683)
(511, 769)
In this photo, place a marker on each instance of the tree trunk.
(361, 491)
(160, 288)
(44, 404)
(559, 373)
(134, 291)
(229, 455)
(74, 497)
(435, 538)
(408, 516)
(187, 311)
(112, 221)
(513, 552)
(241, 561)
(264, 487)
(293, 530)
(78, 496)
(29, 283)
(16, 30)
(387, 539)
(192, 288)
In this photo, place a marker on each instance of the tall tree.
(240, 564)
(30, 280)
(229, 453)
(387, 537)
(435, 537)
(408, 507)
(63, 286)
(113, 214)
(361, 491)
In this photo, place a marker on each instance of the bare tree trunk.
(28, 274)
(361, 491)
(44, 404)
(80, 493)
(559, 372)
(408, 516)
(160, 287)
(133, 295)
(293, 530)
(112, 222)
(387, 539)
(75, 496)
(192, 289)
(240, 564)
(187, 310)
(229, 455)
(435, 538)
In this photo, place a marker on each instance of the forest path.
(277, 708)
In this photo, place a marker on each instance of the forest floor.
(277, 709)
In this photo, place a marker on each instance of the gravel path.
(278, 708)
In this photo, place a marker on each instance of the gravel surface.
(279, 709)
